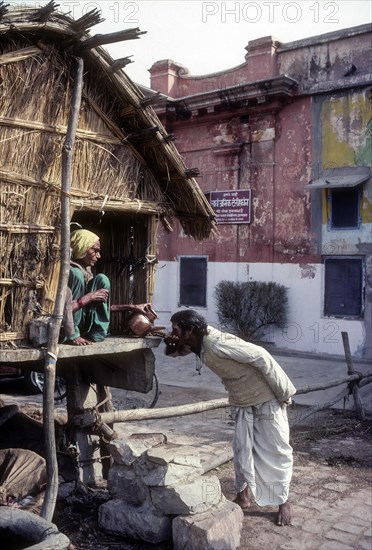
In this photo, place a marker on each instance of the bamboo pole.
(34, 125)
(55, 321)
(86, 420)
(319, 407)
(91, 418)
(19, 55)
(330, 384)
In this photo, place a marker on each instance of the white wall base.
(307, 329)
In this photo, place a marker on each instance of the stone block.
(217, 529)
(124, 484)
(159, 475)
(184, 455)
(142, 523)
(193, 497)
(126, 451)
(168, 464)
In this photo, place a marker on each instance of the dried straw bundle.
(122, 163)
(31, 139)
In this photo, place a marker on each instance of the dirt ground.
(330, 445)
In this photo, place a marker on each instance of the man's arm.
(257, 357)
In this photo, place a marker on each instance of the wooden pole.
(88, 419)
(319, 407)
(349, 361)
(330, 384)
(120, 63)
(358, 403)
(56, 319)
(94, 418)
(111, 38)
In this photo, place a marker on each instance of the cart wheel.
(35, 383)
(126, 399)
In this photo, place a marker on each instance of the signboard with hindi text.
(231, 207)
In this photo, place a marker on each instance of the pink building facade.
(279, 144)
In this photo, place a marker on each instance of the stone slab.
(142, 523)
(217, 529)
(193, 497)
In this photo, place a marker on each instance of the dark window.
(343, 286)
(345, 208)
(193, 281)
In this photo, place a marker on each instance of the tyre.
(35, 383)
(126, 399)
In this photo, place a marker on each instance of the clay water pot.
(141, 321)
(140, 324)
(141, 317)
(148, 312)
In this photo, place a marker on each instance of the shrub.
(247, 308)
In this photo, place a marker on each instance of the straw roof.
(123, 161)
(124, 158)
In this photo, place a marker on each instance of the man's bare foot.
(80, 341)
(285, 514)
(242, 499)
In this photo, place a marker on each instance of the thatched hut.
(127, 176)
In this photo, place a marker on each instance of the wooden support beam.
(134, 207)
(19, 55)
(25, 227)
(169, 137)
(358, 403)
(54, 324)
(90, 418)
(42, 127)
(330, 384)
(192, 172)
(111, 38)
(94, 418)
(150, 100)
(120, 63)
(21, 282)
(319, 407)
(145, 134)
(129, 110)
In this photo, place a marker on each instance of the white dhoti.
(262, 453)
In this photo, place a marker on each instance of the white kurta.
(249, 372)
(257, 387)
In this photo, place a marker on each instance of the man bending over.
(259, 391)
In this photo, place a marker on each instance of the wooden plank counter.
(112, 344)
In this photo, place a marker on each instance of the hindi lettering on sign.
(231, 207)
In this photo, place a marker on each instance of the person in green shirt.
(88, 296)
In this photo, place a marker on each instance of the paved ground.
(331, 490)
(332, 500)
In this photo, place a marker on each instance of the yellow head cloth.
(81, 240)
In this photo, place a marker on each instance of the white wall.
(307, 330)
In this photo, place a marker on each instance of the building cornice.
(325, 38)
(278, 89)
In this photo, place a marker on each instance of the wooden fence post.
(358, 403)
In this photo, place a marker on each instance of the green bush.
(247, 308)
